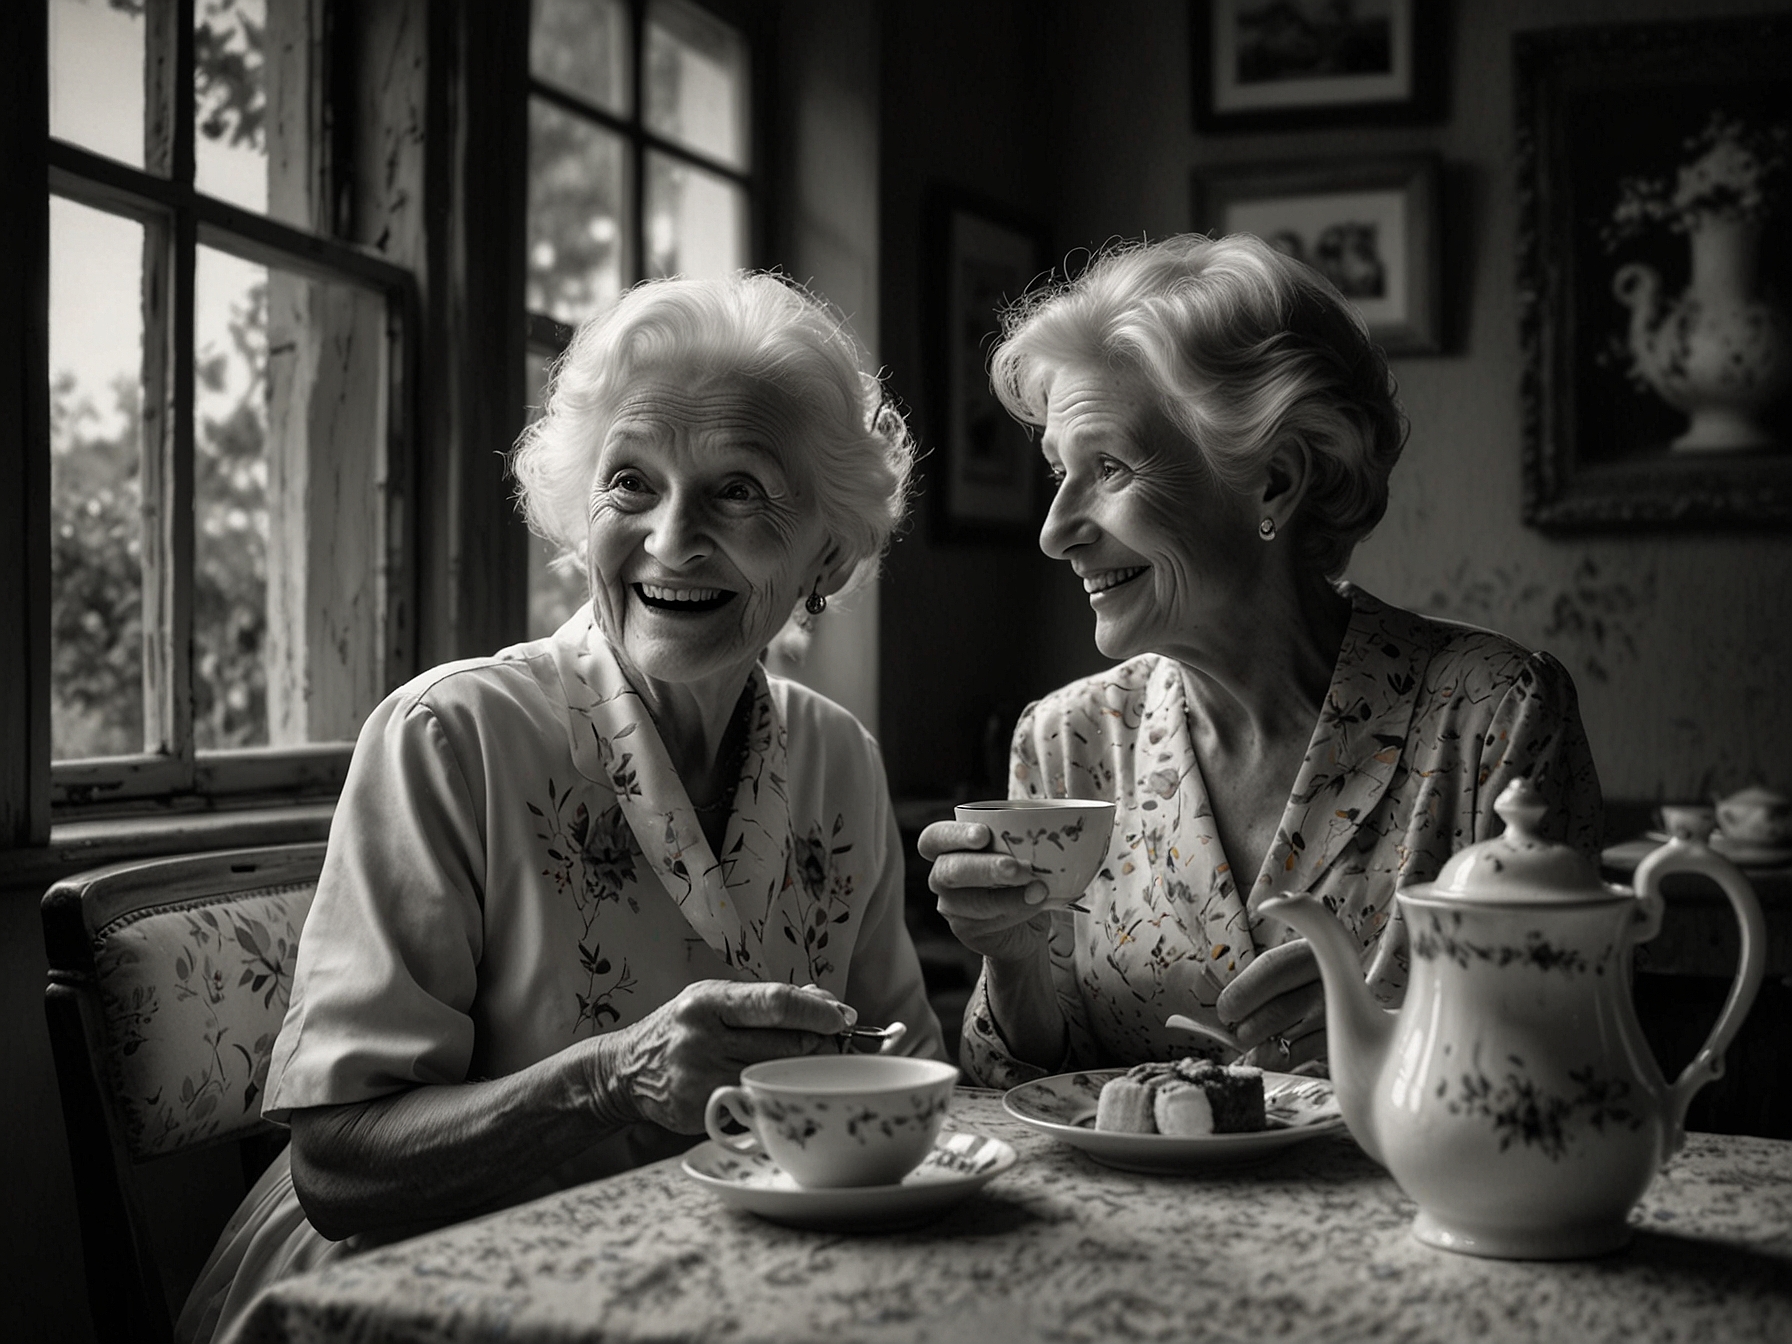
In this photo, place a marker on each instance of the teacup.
(1687, 821)
(837, 1120)
(1756, 816)
(1063, 840)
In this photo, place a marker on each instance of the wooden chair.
(169, 979)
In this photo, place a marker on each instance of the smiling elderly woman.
(572, 888)
(1221, 431)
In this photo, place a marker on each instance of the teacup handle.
(734, 1100)
(1690, 854)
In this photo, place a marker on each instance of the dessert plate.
(1063, 1106)
(960, 1164)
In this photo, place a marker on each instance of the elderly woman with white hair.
(573, 887)
(1221, 431)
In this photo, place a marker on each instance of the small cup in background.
(1688, 821)
(1756, 816)
(1063, 840)
(832, 1121)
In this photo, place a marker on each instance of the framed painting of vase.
(1655, 270)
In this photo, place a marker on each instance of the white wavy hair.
(1245, 348)
(756, 325)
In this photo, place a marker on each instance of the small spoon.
(894, 1032)
(1207, 1024)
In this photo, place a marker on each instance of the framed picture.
(1271, 65)
(985, 475)
(1370, 226)
(1654, 273)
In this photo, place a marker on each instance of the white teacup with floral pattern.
(837, 1120)
(1063, 840)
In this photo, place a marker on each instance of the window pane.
(555, 592)
(582, 47)
(696, 76)
(578, 202)
(289, 559)
(696, 81)
(96, 503)
(230, 501)
(696, 220)
(96, 77)
(230, 92)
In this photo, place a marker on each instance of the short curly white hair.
(1245, 348)
(755, 325)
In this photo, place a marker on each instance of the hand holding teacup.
(1001, 865)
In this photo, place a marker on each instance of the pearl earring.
(1267, 529)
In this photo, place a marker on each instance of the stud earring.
(1267, 529)
(815, 603)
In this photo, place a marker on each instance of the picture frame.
(984, 474)
(1371, 226)
(1655, 225)
(1277, 65)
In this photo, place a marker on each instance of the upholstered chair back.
(169, 979)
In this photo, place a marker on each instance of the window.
(641, 163)
(228, 409)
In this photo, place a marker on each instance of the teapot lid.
(1519, 866)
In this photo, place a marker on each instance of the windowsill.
(77, 845)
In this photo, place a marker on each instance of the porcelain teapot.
(1513, 1096)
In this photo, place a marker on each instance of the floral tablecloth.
(1311, 1246)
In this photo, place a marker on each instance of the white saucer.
(960, 1164)
(1063, 1106)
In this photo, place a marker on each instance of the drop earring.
(1267, 529)
(815, 603)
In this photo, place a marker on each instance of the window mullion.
(637, 147)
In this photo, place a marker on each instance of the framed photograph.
(1370, 226)
(1272, 65)
(986, 472)
(1655, 271)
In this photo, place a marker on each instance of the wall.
(965, 92)
(1679, 643)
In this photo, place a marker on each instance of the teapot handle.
(1689, 854)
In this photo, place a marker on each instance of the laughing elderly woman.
(572, 888)
(1221, 431)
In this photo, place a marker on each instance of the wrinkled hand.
(664, 1067)
(988, 897)
(1279, 998)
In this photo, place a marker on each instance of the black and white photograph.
(895, 671)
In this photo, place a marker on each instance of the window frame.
(178, 219)
(547, 336)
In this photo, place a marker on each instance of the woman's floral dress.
(514, 864)
(1423, 724)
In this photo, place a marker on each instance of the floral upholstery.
(192, 996)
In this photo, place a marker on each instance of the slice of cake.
(1126, 1104)
(1202, 1097)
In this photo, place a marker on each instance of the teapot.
(1513, 1096)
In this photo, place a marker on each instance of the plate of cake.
(1186, 1116)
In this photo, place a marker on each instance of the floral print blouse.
(515, 864)
(1424, 722)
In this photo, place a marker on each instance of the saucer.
(1063, 1106)
(960, 1164)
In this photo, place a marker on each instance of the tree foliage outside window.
(96, 507)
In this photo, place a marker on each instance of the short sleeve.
(1536, 734)
(388, 959)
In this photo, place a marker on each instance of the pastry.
(1204, 1098)
(1126, 1103)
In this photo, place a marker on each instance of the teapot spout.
(1359, 1031)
